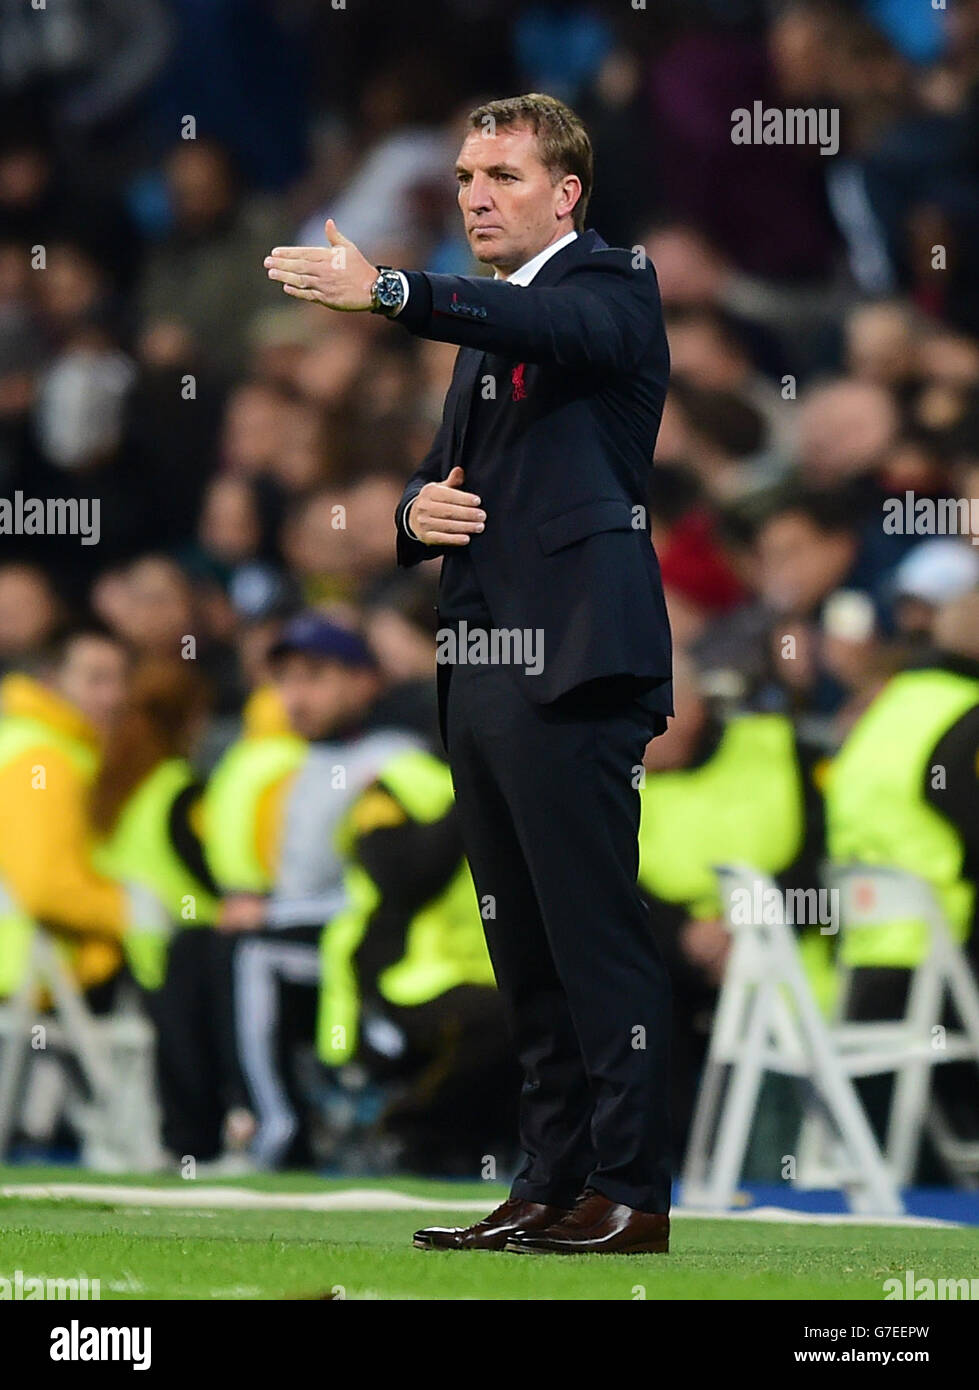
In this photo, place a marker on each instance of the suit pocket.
(587, 519)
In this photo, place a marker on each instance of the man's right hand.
(241, 912)
(442, 515)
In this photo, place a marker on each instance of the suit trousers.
(549, 807)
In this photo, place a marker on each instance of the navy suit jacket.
(566, 547)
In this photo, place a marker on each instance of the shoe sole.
(656, 1248)
(430, 1245)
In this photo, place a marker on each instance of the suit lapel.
(471, 359)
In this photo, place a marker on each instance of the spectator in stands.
(156, 609)
(931, 575)
(30, 612)
(903, 791)
(53, 725)
(146, 810)
(721, 792)
(805, 547)
(407, 986)
(400, 624)
(326, 678)
(202, 274)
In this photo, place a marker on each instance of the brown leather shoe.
(493, 1231)
(597, 1226)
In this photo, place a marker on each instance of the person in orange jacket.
(52, 724)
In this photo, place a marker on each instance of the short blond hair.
(562, 140)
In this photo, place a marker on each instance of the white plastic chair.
(909, 1047)
(119, 1122)
(767, 1020)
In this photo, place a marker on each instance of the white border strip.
(386, 1199)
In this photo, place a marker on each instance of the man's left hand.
(336, 275)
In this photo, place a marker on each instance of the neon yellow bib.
(444, 945)
(876, 811)
(140, 850)
(230, 807)
(744, 805)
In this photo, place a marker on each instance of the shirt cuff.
(404, 521)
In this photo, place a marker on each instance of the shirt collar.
(529, 269)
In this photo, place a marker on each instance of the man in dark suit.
(555, 667)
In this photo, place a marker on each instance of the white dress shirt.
(522, 276)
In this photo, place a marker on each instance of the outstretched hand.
(337, 275)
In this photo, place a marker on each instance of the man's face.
(92, 677)
(320, 695)
(200, 185)
(160, 604)
(510, 206)
(799, 564)
(27, 609)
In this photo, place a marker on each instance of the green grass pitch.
(141, 1252)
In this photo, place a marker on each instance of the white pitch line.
(386, 1199)
(239, 1198)
(816, 1218)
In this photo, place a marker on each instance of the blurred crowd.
(248, 452)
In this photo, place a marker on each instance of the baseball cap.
(936, 571)
(315, 635)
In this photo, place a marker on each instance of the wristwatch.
(387, 293)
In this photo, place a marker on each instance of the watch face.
(389, 293)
